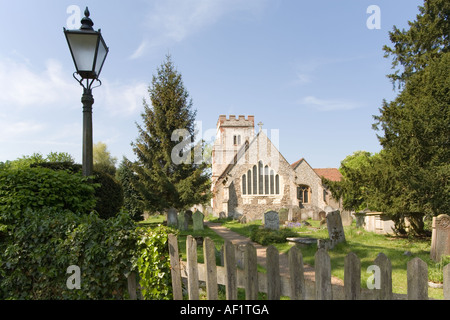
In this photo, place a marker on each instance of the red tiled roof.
(331, 174)
(296, 163)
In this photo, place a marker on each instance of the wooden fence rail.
(293, 285)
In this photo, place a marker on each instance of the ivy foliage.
(36, 253)
(153, 264)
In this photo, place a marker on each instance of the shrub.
(108, 192)
(43, 243)
(109, 195)
(37, 188)
(266, 236)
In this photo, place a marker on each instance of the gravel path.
(238, 239)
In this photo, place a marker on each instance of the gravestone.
(322, 215)
(172, 219)
(335, 228)
(182, 221)
(440, 237)
(188, 214)
(197, 220)
(271, 220)
(284, 215)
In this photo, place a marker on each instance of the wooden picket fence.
(293, 285)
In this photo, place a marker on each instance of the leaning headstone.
(172, 219)
(182, 221)
(335, 228)
(197, 219)
(271, 220)
(440, 237)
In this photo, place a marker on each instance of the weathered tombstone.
(188, 214)
(271, 220)
(222, 215)
(360, 219)
(296, 214)
(172, 219)
(322, 215)
(347, 218)
(197, 220)
(182, 221)
(440, 238)
(335, 228)
(284, 215)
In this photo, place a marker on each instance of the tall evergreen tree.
(163, 182)
(427, 38)
(411, 177)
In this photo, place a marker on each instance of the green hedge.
(38, 249)
(36, 188)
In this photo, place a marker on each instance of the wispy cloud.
(173, 21)
(328, 105)
(40, 107)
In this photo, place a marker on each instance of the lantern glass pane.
(83, 48)
(101, 55)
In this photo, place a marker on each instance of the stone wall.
(305, 175)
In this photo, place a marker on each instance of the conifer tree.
(162, 182)
(411, 178)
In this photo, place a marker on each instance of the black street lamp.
(89, 52)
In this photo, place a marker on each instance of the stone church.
(250, 176)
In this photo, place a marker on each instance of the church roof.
(331, 174)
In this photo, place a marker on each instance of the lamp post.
(89, 52)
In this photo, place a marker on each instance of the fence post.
(352, 277)
(175, 269)
(273, 274)
(211, 270)
(230, 271)
(192, 268)
(447, 282)
(132, 287)
(323, 275)
(385, 291)
(251, 272)
(417, 277)
(296, 272)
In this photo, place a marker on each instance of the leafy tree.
(353, 189)
(427, 39)
(103, 161)
(163, 182)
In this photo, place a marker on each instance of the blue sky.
(312, 70)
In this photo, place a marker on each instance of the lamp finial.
(86, 22)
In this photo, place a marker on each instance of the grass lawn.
(366, 245)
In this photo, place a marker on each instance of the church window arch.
(260, 180)
(303, 194)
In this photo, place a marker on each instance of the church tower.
(232, 133)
